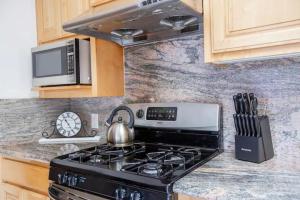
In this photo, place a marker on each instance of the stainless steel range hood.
(133, 22)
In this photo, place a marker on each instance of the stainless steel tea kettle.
(120, 134)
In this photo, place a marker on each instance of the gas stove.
(171, 140)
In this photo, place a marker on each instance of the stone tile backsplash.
(23, 120)
(174, 71)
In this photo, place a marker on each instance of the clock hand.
(67, 123)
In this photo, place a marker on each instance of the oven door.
(54, 64)
(57, 192)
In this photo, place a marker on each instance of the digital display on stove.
(162, 113)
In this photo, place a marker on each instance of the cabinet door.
(244, 24)
(99, 2)
(48, 20)
(242, 29)
(9, 192)
(28, 195)
(72, 9)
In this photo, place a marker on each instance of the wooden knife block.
(255, 149)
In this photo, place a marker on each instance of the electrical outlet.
(95, 121)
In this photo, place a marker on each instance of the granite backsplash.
(174, 71)
(23, 120)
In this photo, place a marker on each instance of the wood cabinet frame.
(228, 40)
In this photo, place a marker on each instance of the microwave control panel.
(70, 58)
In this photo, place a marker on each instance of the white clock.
(68, 124)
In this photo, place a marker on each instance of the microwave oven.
(62, 63)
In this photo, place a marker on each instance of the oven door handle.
(53, 194)
(57, 194)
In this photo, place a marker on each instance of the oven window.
(48, 63)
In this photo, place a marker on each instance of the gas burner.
(195, 151)
(155, 170)
(151, 169)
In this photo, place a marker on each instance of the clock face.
(68, 124)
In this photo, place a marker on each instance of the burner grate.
(158, 161)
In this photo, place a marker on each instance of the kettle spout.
(107, 124)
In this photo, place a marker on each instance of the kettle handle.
(114, 112)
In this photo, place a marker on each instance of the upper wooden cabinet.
(71, 9)
(237, 29)
(48, 20)
(51, 14)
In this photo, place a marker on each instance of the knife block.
(255, 149)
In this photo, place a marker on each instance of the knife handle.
(248, 127)
(240, 124)
(244, 125)
(246, 103)
(236, 124)
(236, 104)
(254, 105)
(251, 96)
(242, 105)
(257, 126)
(252, 125)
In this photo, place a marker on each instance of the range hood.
(134, 22)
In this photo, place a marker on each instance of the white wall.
(17, 37)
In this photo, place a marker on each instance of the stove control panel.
(162, 113)
(109, 188)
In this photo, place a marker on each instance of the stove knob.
(140, 113)
(120, 193)
(69, 181)
(59, 179)
(74, 181)
(136, 196)
(65, 179)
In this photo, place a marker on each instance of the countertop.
(40, 152)
(223, 178)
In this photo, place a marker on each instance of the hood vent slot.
(191, 29)
(178, 23)
(126, 33)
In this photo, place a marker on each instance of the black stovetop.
(158, 161)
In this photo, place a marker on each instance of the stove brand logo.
(248, 150)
